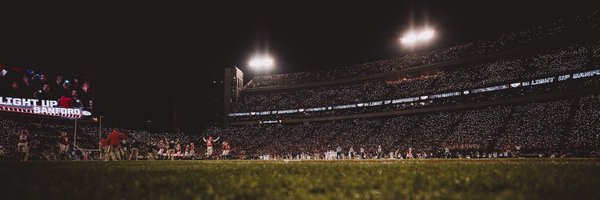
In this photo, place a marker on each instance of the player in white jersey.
(351, 153)
(226, 149)
(23, 145)
(362, 153)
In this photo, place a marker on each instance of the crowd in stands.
(585, 132)
(538, 126)
(519, 94)
(547, 63)
(548, 128)
(589, 22)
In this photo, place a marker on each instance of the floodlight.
(414, 37)
(261, 62)
(409, 38)
(425, 35)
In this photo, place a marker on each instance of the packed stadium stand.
(552, 62)
(527, 93)
(530, 91)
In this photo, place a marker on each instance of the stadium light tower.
(261, 62)
(415, 37)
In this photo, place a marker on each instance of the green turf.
(414, 179)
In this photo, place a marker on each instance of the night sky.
(144, 56)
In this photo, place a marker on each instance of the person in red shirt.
(65, 102)
(209, 145)
(114, 142)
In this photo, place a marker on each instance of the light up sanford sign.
(40, 107)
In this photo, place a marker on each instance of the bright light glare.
(410, 38)
(414, 37)
(425, 35)
(261, 62)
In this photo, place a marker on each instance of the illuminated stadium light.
(410, 38)
(425, 35)
(414, 37)
(261, 62)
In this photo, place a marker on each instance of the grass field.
(414, 179)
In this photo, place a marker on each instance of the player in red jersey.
(114, 142)
(209, 145)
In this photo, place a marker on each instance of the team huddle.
(114, 147)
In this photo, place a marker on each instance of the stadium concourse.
(527, 93)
